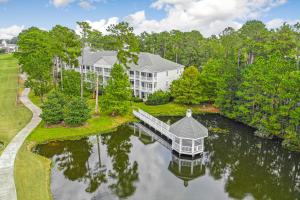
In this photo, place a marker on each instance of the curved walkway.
(7, 159)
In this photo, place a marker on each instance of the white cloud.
(276, 23)
(207, 16)
(60, 3)
(100, 25)
(86, 5)
(10, 32)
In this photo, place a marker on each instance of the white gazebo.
(188, 135)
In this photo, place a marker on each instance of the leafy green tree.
(71, 83)
(66, 48)
(124, 42)
(76, 112)
(158, 98)
(289, 114)
(53, 108)
(35, 56)
(210, 78)
(117, 94)
(186, 90)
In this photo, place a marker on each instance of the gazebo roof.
(188, 127)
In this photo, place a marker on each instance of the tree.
(125, 42)
(71, 83)
(210, 78)
(76, 112)
(53, 108)
(186, 90)
(35, 56)
(94, 83)
(85, 31)
(117, 93)
(289, 114)
(66, 48)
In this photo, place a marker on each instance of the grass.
(13, 116)
(32, 175)
(35, 168)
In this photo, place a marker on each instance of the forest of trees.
(252, 74)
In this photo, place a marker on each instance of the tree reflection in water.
(124, 173)
(253, 166)
(246, 166)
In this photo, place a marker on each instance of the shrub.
(137, 99)
(158, 98)
(53, 108)
(76, 112)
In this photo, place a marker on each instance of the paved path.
(7, 159)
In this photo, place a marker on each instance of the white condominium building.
(152, 72)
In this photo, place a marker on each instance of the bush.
(137, 99)
(53, 108)
(158, 98)
(76, 112)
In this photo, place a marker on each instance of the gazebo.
(188, 135)
(186, 169)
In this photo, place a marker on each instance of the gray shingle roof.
(188, 127)
(147, 61)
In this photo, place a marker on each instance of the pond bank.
(30, 166)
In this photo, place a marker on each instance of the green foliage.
(117, 94)
(186, 90)
(35, 56)
(53, 108)
(125, 42)
(210, 79)
(71, 83)
(76, 112)
(158, 98)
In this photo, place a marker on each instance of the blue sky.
(207, 16)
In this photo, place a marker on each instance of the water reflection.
(129, 164)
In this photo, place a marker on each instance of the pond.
(129, 164)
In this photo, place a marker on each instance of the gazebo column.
(180, 143)
(193, 144)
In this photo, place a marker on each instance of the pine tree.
(186, 90)
(117, 94)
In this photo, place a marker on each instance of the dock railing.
(157, 124)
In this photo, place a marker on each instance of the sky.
(207, 16)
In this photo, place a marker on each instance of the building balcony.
(146, 89)
(144, 78)
(106, 74)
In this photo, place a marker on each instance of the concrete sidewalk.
(7, 159)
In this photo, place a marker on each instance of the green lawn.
(13, 117)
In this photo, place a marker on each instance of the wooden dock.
(180, 144)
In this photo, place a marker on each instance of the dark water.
(129, 165)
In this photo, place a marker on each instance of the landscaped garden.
(72, 107)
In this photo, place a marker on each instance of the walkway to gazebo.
(187, 135)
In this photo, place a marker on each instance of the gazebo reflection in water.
(184, 167)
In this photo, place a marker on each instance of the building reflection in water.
(185, 168)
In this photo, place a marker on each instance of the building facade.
(152, 73)
(8, 48)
